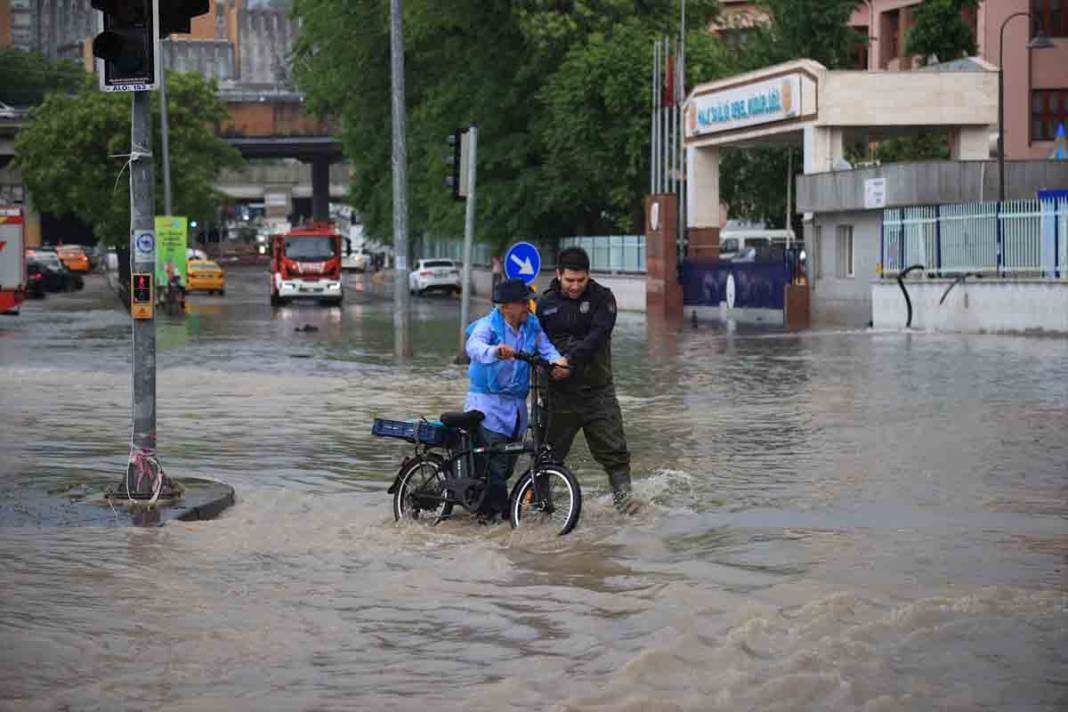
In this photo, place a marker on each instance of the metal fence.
(1014, 238)
(611, 253)
(454, 250)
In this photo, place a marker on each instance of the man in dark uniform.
(578, 315)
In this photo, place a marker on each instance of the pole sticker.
(145, 242)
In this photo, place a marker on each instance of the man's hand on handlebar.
(505, 352)
(561, 369)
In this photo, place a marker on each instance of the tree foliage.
(813, 29)
(560, 92)
(72, 155)
(941, 31)
(29, 76)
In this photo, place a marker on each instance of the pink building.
(1036, 81)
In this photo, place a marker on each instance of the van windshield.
(312, 248)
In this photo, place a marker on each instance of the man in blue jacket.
(499, 383)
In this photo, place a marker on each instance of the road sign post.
(468, 185)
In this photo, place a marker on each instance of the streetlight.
(1039, 41)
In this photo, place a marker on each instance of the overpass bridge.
(291, 155)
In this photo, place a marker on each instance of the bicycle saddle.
(462, 420)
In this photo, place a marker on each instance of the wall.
(842, 300)
(1024, 69)
(929, 183)
(974, 306)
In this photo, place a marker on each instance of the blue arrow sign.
(523, 261)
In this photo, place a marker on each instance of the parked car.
(434, 274)
(73, 257)
(35, 280)
(206, 276)
(57, 278)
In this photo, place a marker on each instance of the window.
(843, 251)
(1051, 16)
(1049, 108)
(817, 251)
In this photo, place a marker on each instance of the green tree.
(73, 154)
(29, 76)
(560, 92)
(940, 30)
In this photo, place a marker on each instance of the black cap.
(511, 290)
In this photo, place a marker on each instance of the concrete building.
(1036, 83)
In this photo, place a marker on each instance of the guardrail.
(1022, 238)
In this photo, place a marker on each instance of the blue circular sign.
(145, 242)
(523, 261)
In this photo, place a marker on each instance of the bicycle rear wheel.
(556, 504)
(420, 493)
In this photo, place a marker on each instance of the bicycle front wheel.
(555, 502)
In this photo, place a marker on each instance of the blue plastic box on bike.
(443, 472)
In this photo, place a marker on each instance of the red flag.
(668, 97)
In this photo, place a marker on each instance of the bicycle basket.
(432, 433)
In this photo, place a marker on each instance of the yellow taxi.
(73, 258)
(206, 276)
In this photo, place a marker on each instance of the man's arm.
(478, 347)
(604, 320)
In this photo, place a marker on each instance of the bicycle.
(430, 484)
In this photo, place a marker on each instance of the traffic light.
(177, 15)
(457, 179)
(127, 48)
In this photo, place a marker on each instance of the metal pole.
(164, 133)
(140, 480)
(656, 117)
(469, 237)
(652, 131)
(790, 183)
(402, 343)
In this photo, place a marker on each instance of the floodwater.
(833, 520)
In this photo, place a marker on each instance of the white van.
(741, 245)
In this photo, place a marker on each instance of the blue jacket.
(510, 378)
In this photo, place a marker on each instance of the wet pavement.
(834, 520)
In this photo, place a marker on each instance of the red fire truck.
(12, 260)
(306, 262)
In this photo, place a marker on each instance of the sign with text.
(875, 193)
(171, 245)
(748, 105)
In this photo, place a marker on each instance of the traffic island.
(92, 505)
(186, 500)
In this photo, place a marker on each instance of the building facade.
(1036, 81)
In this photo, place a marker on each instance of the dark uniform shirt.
(581, 330)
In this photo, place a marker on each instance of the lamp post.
(1039, 41)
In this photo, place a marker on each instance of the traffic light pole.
(144, 478)
(469, 237)
(164, 131)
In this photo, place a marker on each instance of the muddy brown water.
(834, 520)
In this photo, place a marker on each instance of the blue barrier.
(757, 285)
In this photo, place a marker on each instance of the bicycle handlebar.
(536, 361)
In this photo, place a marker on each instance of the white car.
(434, 274)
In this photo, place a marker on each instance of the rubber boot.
(620, 482)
